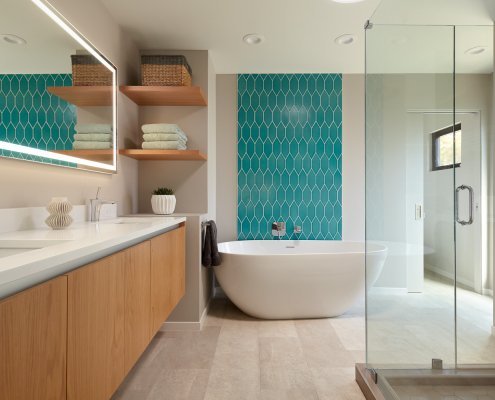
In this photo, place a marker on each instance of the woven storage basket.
(165, 71)
(88, 71)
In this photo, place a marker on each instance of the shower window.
(443, 148)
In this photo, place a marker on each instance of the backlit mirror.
(57, 91)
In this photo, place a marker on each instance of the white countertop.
(80, 244)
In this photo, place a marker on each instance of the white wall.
(26, 184)
(352, 162)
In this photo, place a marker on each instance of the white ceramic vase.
(59, 209)
(162, 204)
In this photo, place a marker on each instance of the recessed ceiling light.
(476, 50)
(12, 39)
(345, 39)
(253, 38)
(347, 1)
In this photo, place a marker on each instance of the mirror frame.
(95, 166)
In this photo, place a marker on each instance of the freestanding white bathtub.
(282, 279)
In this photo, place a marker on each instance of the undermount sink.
(11, 247)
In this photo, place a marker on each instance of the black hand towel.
(210, 256)
(215, 255)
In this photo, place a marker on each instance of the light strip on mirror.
(65, 25)
(54, 156)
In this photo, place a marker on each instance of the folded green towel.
(93, 137)
(93, 128)
(165, 145)
(158, 137)
(91, 145)
(161, 128)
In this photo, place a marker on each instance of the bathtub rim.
(379, 248)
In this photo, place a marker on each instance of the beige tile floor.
(236, 357)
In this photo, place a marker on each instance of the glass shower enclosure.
(429, 174)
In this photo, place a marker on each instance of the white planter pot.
(163, 204)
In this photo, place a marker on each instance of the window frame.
(434, 151)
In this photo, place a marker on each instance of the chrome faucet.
(297, 229)
(95, 206)
(278, 229)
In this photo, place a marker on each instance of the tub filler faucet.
(278, 229)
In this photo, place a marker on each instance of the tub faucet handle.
(297, 229)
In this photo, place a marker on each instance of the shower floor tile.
(408, 330)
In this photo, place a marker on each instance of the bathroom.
(344, 152)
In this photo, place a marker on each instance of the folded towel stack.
(92, 137)
(164, 137)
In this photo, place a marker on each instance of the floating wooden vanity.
(77, 336)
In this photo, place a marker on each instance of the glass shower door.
(409, 202)
(474, 272)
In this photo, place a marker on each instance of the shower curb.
(366, 383)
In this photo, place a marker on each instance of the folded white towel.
(93, 128)
(165, 145)
(158, 137)
(93, 137)
(91, 145)
(161, 128)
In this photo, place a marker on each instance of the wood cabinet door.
(33, 337)
(137, 302)
(168, 267)
(95, 351)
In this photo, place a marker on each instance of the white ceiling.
(299, 34)
(429, 49)
(48, 47)
(435, 12)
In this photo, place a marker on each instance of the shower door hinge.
(373, 374)
(368, 25)
(436, 363)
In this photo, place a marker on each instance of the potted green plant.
(163, 201)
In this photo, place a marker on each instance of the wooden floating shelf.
(171, 155)
(94, 155)
(84, 96)
(165, 95)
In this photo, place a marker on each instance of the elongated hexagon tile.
(32, 117)
(290, 155)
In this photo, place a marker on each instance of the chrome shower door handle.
(471, 204)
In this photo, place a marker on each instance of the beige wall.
(352, 148)
(194, 182)
(353, 158)
(189, 179)
(207, 273)
(26, 184)
(227, 157)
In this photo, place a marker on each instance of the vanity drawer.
(33, 335)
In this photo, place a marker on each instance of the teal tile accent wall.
(290, 155)
(30, 116)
